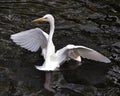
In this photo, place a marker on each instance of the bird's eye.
(45, 18)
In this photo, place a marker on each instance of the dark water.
(92, 23)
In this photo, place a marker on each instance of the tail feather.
(43, 68)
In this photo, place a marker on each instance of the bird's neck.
(52, 28)
(50, 45)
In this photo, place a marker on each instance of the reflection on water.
(85, 22)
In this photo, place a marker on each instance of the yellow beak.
(39, 19)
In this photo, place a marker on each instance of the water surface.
(91, 23)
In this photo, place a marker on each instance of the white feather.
(31, 39)
(74, 52)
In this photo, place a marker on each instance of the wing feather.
(31, 39)
(74, 52)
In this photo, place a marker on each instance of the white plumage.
(31, 39)
(35, 38)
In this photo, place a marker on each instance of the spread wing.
(31, 39)
(74, 52)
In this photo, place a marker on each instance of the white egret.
(35, 38)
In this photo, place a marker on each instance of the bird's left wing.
(31, 39)
(74, 52)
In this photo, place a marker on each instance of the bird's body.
(34, 38)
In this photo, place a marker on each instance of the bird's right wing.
(31, 39)
(75, 52)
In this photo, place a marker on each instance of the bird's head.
(47, 17)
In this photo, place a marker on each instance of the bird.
(36, 38)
